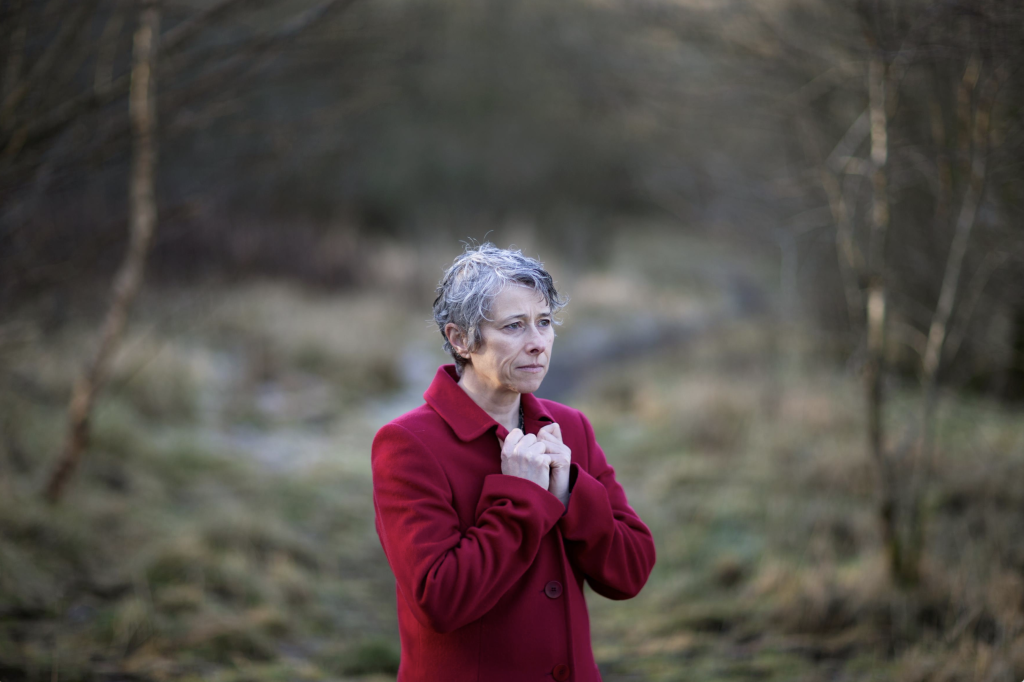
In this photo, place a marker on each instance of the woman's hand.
(526, 457)
(561, 459)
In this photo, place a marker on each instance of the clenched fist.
(526, 457)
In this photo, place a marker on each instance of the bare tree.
(142, 207)
(902, 468)
(48, 120)
(978, 124)
(66, 77)
(960, 62)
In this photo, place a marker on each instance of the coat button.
(554, 590)
(561, 672)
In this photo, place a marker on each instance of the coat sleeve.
(604, 537)
(449, 577)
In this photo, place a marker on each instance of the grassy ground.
(762, 502)
(221, 526)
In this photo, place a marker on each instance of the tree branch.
(68, 30)
(142, 202)
(979, 138)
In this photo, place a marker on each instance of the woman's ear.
(457, 338)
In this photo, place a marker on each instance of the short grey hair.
(469, 285)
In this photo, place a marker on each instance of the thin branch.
(937, 334)
(852, 139)
(988, 267)
(849, 258)
(15, 51)
(966, 219)
(142, 107)
(41, 70)
(48, 124)
(103, 74)
(45, 125)
(229, 73)
(184, 31)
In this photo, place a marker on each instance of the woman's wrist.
(559, 486)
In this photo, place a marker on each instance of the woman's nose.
(535, 343)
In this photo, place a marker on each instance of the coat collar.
(467, 419)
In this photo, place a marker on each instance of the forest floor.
(221, 526)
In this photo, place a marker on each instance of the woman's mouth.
(533, 369)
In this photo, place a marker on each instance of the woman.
(494, 506)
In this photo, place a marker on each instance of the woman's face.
(516, 347)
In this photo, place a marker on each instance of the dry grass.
(770, 563)
(178, 553)
(221, 528)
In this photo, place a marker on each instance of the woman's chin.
(529, 384)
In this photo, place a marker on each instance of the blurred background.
(791, 232)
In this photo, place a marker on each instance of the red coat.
(490, 568)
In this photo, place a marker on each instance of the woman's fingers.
(552, 430)
(526, 457)
(535, 449)
(536, 457)
(561, 455)
(514, 441)
(530, 461)
(554, 446)
(526, 440)
(514, 436)
(539, 459)
(561, 460)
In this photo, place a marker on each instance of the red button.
(553, 589)
(561, 672)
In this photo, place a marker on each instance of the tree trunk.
(142, 222)
(888, 511)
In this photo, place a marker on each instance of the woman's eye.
(514, 325)
(545, 323)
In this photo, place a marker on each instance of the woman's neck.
(500, 403)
